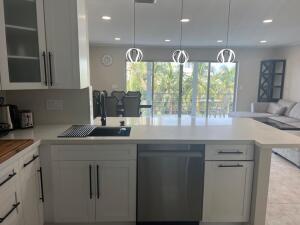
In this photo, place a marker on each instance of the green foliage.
(166, 86)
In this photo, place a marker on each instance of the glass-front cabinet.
(22, 44)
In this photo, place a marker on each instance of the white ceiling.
(160, 21)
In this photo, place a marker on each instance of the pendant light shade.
(134, 54)
(180, 56)
(227, 55)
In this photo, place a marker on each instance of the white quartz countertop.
(166, 129)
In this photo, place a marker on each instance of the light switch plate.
(54, 105)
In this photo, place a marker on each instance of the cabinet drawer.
(10, 208)
(8, 178)
(93, 152)
(229, 152)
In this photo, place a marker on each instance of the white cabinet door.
(22, 44)
(65, 53)
(10, 201)
(115, 191)
(227, 191)
(73, 193)
(10, 209)
(30, 191)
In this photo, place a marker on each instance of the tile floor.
(284, 193)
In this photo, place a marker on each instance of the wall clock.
(107, 60)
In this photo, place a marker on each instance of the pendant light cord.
(228, 23)
(134, 23)
(181, 16)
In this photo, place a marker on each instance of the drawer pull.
(8, 178)
(40, 171)
(90, 179)
(98, 183)
(230, 152)
(33, 158)
(230, 166)
(14, 206)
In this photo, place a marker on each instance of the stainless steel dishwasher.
(170, 183)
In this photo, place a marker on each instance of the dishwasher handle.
(170, 154)
(171, 147)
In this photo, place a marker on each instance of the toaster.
(26, 119)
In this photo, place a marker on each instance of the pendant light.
(134, 54)
(180, 56)
(227, 55)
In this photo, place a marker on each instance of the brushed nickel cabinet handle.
(45, 68)
(230, 152)
(34, 157)
(230, 166)
(14, 206)
(8, 178)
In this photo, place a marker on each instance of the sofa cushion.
(284, 119)
(295, 111)
(275, 108)
(288, 104)
(249, 115)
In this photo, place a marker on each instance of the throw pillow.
(275, 108)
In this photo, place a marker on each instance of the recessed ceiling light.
(185, 20)
(117, 38)
(268, 21)
(219, 41)
(263, 41)
(167, 40)
(106, 17)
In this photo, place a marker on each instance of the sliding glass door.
(194, 88)
(165, 88)
(221, 89)
(204, 89)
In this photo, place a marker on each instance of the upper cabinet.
(22, 44)
(67, 43)
(44, 44)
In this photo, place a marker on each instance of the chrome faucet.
(102, 108)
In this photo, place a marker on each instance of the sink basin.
(110, 131)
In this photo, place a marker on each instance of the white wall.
(76, 105)
(114, 76)
(292, 73)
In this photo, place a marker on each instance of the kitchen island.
(244, 144)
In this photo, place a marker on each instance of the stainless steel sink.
(110, 131)
(95, 131)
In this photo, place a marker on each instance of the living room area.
(262, 82)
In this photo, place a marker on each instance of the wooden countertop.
(9, 148)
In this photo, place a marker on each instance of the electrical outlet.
(54, 105)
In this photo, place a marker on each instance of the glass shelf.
(21, 70)
(20, 27)
(22, 42)
(21, 13)
(22, 57)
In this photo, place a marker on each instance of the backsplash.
(54, 106)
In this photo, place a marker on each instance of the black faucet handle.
(122, 123)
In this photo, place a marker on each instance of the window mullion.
(180, 91)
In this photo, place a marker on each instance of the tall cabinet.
(44, 44)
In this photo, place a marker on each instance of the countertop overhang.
(175, 130)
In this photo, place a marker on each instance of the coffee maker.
(9, 116)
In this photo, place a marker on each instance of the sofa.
(284, 111)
